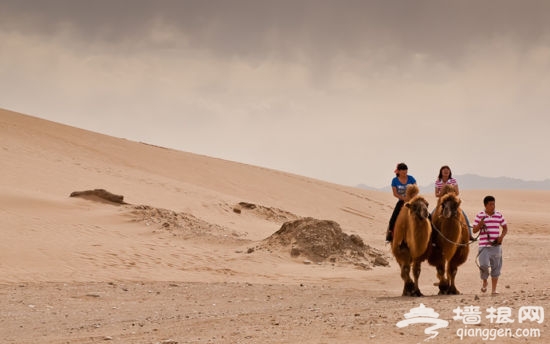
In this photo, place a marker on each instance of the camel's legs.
(408, 287)
(459, 258)
(416, 275)
(452, 269)
(443, 283)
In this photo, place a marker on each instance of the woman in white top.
(445, 177)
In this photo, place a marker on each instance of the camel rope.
(461, 244)
(452, 242)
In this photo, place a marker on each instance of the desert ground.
(204, 250)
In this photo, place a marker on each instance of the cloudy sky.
(335, 90)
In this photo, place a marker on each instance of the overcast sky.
(336, 90)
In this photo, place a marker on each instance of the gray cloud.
(314, 29)
(330, 89)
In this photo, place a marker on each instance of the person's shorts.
(490, 256)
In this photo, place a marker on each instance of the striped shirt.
(492, 230)
(439, 183)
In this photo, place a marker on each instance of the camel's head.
(411, 191)
(450, 204)
(447, 188)
(419, 207)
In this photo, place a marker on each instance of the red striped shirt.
(492, 224)
(439, 183)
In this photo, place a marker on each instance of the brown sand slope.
(191, 256)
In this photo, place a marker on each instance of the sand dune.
(185, 255)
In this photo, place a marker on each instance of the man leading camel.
(488, 223)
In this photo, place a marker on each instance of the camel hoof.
(453, 291)
(443, 289)
(448, 290)
(410, 289)
(412, 293)
(418, 293)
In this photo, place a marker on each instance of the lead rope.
(452, 242)
(461, 244)
(469, 243)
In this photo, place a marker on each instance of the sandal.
(484, 287)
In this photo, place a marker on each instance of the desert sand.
(196, 252)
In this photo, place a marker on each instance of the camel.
(411, 239)
(451, 242)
